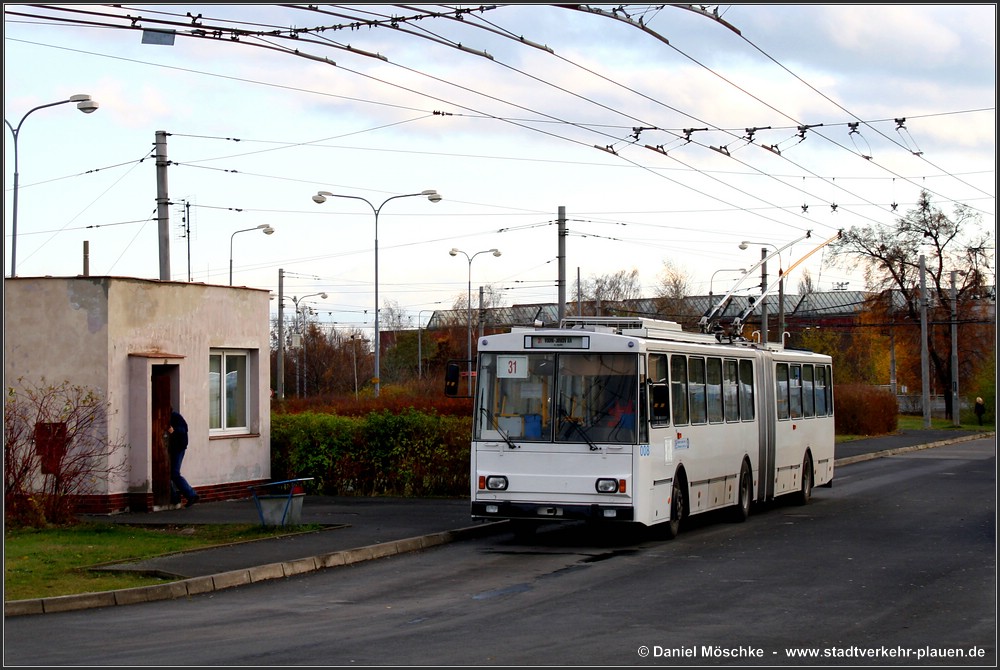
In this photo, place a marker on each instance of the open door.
(162, 389)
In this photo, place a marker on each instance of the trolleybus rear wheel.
(741, 510)
(672, 528)
(805, 494)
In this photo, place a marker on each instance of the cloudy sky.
(667, 135)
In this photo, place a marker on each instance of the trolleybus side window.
(823, 404)
(795, 390)
(678, 389)
(731, 389)
(714, 389)
(746, 391)
(781, 390)
(696, 389)
(808, 402)
(659, 391)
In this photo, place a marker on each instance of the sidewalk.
(356, 529)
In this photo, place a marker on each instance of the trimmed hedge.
(864, 410)
(411, 453)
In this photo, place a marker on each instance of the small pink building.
(147, 346)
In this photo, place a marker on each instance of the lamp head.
(323, 295)
(744, 245)
(319, 198)
(496, 252)
(268, 230)
(432, 195)
(84, 103)
(453, 252)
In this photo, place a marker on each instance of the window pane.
(746, 391)
(795, 390)
(696, 390)
(730, 390)
(678, 389)
(236, 391)
(823, 406)
(807, 391)
(215, 391)
(782, 390)
(714, 390)
(659, 411)
(514, 396)
(596, 397)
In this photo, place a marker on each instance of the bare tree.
(603, 292)
(56, 449)
(493, 296)
(890, 257)
(673, 287)
(806, 286)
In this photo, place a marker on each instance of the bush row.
(423, 453)
(409, 453)
(864, 410)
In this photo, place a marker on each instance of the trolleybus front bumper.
(496, 509)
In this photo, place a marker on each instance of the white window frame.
(219, 419)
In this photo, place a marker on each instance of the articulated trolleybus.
(636, 421)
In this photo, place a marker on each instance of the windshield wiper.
(580, 429)
(503, 434)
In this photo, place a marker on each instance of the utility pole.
(562, 263)
(162, 204)
(956, 419)
(280, 388)
(925, 372)
(763, 297)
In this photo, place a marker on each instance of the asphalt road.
(898, 557)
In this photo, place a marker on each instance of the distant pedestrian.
(178, 443)
(980, 410)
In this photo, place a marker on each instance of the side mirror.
(452, 375)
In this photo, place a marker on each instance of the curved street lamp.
(712, 280)
(455, 252)
(265, 227)
(86, 105)
(320, 198)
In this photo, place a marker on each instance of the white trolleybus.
(636, 421)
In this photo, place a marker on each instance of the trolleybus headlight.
(496, 483)
(607, 485)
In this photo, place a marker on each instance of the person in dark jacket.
(980, 410)
(177, 446)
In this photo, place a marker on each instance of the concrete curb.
(227, 580)
(916, 447)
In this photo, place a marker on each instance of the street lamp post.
(320, 198)
(85, 105)
(266, 228)
(712, 280)
(300, 315)
(455, 252)
(745, 244)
